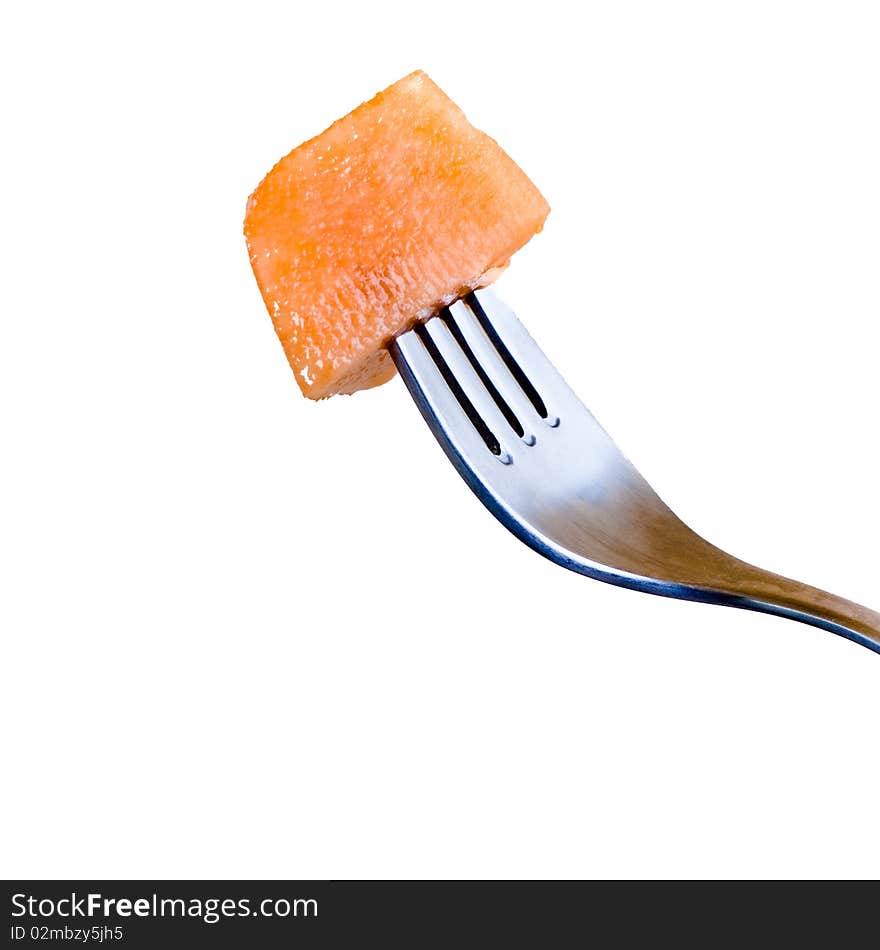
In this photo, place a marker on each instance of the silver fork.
(539, 461)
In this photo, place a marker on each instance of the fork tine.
(539, 372)
(473, 387)
(439, 405)
(497, 370)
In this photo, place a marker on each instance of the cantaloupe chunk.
(393, 212)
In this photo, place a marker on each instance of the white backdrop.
(245, 635)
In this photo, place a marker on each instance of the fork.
(539, 461)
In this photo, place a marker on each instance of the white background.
(247, 635)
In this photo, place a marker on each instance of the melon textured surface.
(395, 210)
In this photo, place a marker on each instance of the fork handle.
(774, 594)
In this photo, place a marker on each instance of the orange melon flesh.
(393, 212)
